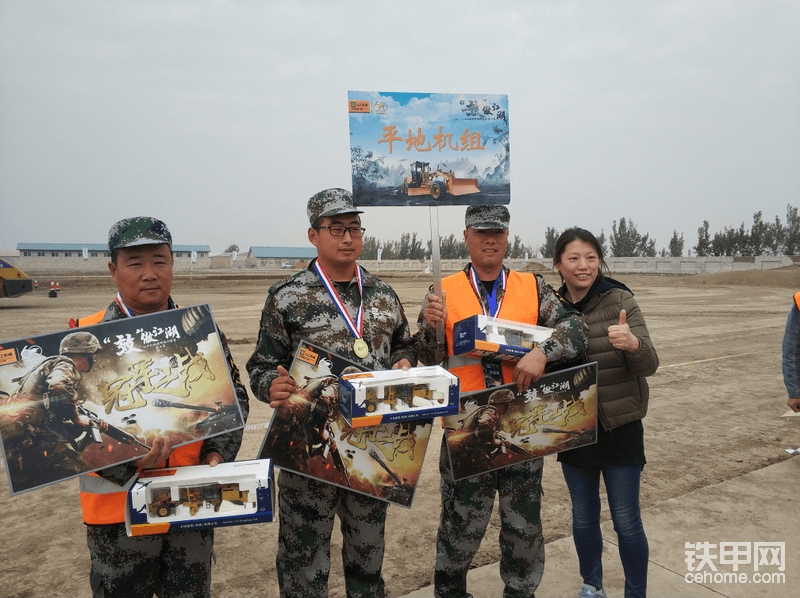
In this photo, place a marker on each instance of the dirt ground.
(715, 413)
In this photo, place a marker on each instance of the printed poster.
(411, 149)
(308, 435)
(499, 426)
(76, 401)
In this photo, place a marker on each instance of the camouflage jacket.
(226, 445)
(299, 308)
(567, 342)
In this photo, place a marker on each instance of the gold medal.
(361, 348)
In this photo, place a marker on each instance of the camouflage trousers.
(173, 565)
(307, 510)
(466, 509)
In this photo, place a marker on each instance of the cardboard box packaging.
(372, 398)
(200, 496)
(159, 375)
(484, 336)
(309, 436)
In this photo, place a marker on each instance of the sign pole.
(437, 266)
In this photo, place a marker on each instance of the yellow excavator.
(13, 281)
(422, 181)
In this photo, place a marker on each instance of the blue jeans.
(622, 487)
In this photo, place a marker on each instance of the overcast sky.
(222, 118)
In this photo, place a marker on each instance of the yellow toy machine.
(483, 336)
(198, 496)
(195, 497)
(372, 398)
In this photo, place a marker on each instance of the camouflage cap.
(330, 203)
(483, 217)
(141, 230)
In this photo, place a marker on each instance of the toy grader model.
(404, 392)
(194, 497)
(422, 181)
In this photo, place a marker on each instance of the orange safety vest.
(797, 299)
(88, 320)
(102, 501)
(520, 304)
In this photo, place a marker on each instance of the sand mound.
(788, 278)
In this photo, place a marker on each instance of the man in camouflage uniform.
(174, 564)
(298, 308)
(41, 417)
(486, 286)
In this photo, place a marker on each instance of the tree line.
(409, 247)
(762, 238)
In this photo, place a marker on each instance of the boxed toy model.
(482, 336)
(372, 398)
(200, 496)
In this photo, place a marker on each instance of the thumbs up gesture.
(620, 336)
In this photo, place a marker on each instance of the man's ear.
(312, 236)
(113, 269)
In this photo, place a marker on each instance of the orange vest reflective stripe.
(797, 299)
(520, 304)
(102, 502)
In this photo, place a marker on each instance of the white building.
(93, 257)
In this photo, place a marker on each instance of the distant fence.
(633, 265)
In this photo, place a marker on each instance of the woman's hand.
(621, 337)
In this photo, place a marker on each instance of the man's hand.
(404, 364)
(159, 451)
(794, 405)
(213, 459)
(529, 369)
(436, 309)
(282, 388)
(621, 337)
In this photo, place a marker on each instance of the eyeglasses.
(337, 230)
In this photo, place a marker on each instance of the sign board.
(429, 148)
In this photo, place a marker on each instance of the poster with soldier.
(308, 435)
(76, 401)
(499, 426)
(414, 149)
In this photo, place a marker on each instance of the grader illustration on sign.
(73, 402)
(429, 149)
